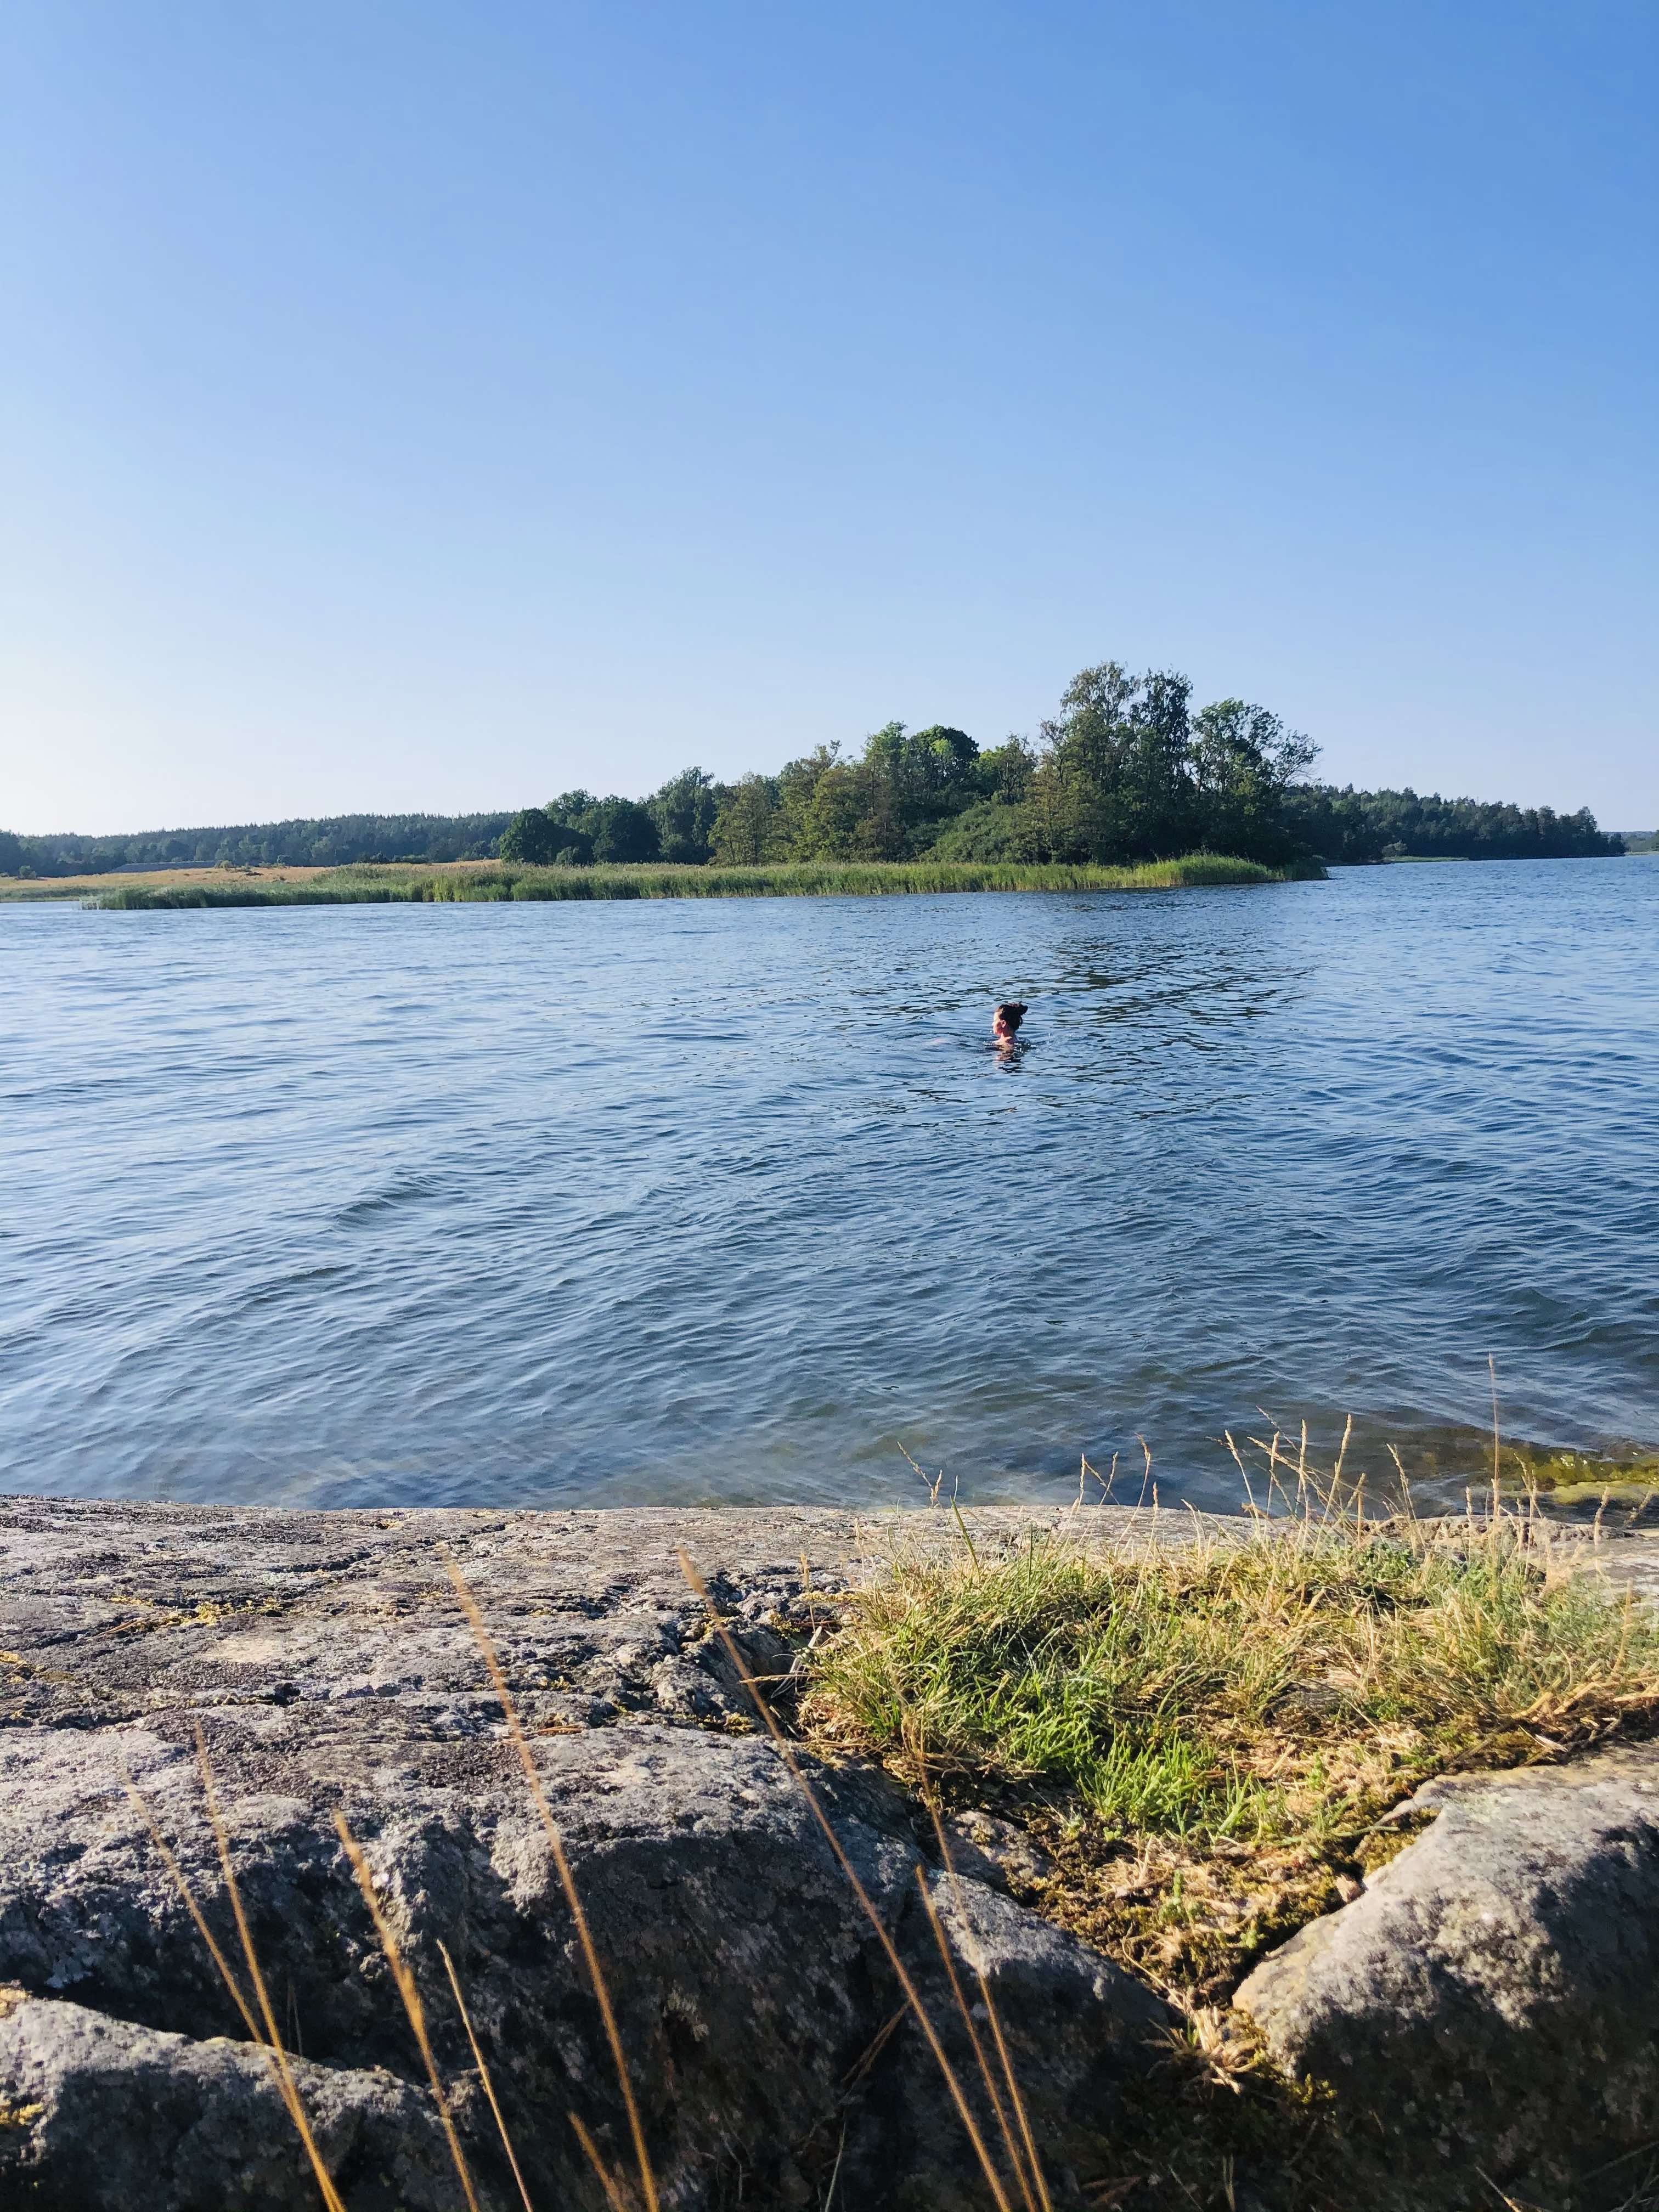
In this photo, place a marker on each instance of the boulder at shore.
(1496, 1987)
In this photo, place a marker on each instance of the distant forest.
(1128, 769)
(1347, 826)
(329, 842)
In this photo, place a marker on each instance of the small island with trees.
(1128, 783)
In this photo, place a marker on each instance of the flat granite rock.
(328, 1668)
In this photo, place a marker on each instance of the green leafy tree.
(684, 810)
(833, 825)
(572, 806)
(890, 801)
(1243, 763)
(1113, 782)
(945, 760)
(619, 831)
(991, 829)
(887, 795)
(532, 837)
(622, 831)
(920, 782)
(1080, 772)
(748, 828)
(999, 820)
(1005, 771)
(802, 831)
(1159, 785)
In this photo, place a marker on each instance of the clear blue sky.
(418, 406)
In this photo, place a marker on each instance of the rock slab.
(1489, 2005)
(326, 1667)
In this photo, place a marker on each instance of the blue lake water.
(729, 1201)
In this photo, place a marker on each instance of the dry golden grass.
(140, 882)
(65, 887)
(1017, 2144)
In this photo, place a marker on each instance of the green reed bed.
(369, 885)
(1206, 1732)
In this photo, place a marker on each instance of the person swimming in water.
(1005, 1021)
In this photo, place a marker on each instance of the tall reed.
(501, 882)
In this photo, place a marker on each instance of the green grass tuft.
(1206, 1732)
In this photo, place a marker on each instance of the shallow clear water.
(728, 1201)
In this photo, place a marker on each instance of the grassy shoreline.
(1206, 1734)
(1177, 1738)
(369, 883)
(1198, 1739)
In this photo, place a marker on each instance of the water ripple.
(729, 1201)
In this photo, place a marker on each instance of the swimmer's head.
(1007, 1017)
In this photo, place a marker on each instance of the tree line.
(1127, 770)
(331, 841)
(1348, 826)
